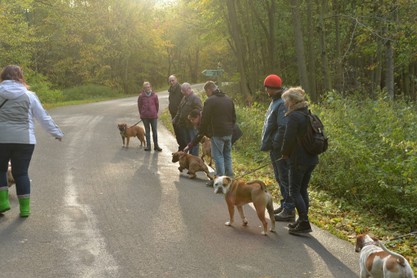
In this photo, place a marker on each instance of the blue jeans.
(19, 155)
(148, 124)
(281, 169)
(221, 151)
(299, 177)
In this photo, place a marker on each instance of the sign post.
(214, 73)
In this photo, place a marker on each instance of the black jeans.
(299, 177)
(19, 155)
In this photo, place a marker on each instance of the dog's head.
(176, 156)
(204, 140)
(223, 183)
(122, 127)
(363, 240)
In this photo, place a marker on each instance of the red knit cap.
(273, 81)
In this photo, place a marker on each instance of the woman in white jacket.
(18, 109)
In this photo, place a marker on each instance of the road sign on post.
(212, 73)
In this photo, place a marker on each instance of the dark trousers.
(185, 136)
(19, 155)
(148, 124)
(299, 177)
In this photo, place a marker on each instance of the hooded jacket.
(18, 113)
(297, 127)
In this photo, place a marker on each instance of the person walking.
(148, 106)
(272, 137)
(186, 130)
(217, 122)
(174, 99)
(301, 163)
(19, 107)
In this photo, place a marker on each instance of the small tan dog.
(133, 131)
(192, 163)
(377, 261)
(206, 149)
(10, 179)
(239, 193)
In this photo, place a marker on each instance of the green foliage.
(371, 160)
(89, 91)
(42, 87)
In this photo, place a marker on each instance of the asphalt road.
(99, 210)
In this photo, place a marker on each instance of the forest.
(346, 46)
(357, 60)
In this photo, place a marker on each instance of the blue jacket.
(274, 125)
(292, 147)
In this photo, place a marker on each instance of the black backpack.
(314, 141)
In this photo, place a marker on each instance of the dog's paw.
(263, 233)
(228, 223)
(272, 230)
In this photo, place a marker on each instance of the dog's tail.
(400, 259)
(261, 183)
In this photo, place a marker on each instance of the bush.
(42, 87)
(89, 91)
(371, 161)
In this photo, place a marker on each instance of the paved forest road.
(102, 211)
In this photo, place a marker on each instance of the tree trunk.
(310, 52)
(389, 74)
(299, 46)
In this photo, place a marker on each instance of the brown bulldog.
(133, 131)
(206, 149)
(192, 163)
(239, 193)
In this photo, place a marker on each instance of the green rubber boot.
(24, 206)
(4, 200)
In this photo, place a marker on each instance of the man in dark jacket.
(272, 138)
(174, 99)
(186, 131)
(217, 121)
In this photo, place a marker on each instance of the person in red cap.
(272, 138)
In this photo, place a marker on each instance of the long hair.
(13, 72)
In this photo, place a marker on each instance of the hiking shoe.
(303, 227)
(293, 225)
(278, 210)
(158, 149)
(147, 149)
(285, 216)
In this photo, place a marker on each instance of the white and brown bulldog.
(377, 261)
(238, 193)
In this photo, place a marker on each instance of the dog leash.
(401, 236)
(260, 167)
(135, 124)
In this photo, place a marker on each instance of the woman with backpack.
(301, 163)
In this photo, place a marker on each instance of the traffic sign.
(212, 73)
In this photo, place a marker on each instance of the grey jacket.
(18, 113)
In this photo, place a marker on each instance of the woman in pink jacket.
(148, 105)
